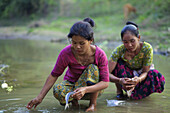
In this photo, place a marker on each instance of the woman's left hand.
(132, 83)
(79, 93)
(136, 80)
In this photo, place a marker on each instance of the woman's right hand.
(127, 83)
(34, 103)
(79, 93)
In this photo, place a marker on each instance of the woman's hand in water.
(34, 103)
(79, 93)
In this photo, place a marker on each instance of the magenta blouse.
(74, 70)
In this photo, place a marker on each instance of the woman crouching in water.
(131, 67)
(87, 69)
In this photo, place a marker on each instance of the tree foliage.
(80, 8)
(18, 8)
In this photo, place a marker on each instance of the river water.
(30, 62)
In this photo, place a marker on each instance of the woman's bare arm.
(47, 86)
(112, 66)
(144, 73)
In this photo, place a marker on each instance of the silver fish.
(111, 103)
(67, 98)
(129, 92)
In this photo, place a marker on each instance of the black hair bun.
(131, 23)
(90, 21)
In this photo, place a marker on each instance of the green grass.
(152, 18)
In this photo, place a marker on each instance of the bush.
(18, 8)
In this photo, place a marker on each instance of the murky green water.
(31, 62)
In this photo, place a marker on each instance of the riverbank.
(160, 45)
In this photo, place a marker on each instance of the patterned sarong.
(154, 81)
(90, 76)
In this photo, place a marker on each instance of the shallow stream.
(30, 62)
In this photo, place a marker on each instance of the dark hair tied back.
(90, 21)
(131, 23)
(82, 28)
(131, 27)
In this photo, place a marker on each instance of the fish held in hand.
(129, 92)
(67, 98)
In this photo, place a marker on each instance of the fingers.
(76, 91)
(128, 87)
(129, 81)
(35, 106)
(78, 95)
(30, 105)
(33, 103)
(126, 79)
(73, 95)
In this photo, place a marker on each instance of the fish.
(129, 92)
(67, 98)
(111, 103)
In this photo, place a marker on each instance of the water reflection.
(30, 62)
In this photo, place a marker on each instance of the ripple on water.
(11, 99)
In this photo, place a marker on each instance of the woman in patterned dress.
(131, 68)
(87, 69)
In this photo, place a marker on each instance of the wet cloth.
(90, 76)
(154, 81)
(143, 58)
(66, 59)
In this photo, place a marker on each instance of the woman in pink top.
(87, 69)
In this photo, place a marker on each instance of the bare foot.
(91, 108)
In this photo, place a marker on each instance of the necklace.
(84, 61)
(130, 55)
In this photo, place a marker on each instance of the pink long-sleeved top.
(75, 69)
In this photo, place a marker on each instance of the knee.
(153, 72)
(93, 69)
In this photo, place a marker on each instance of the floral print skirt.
(154, 82)
(90, 76)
